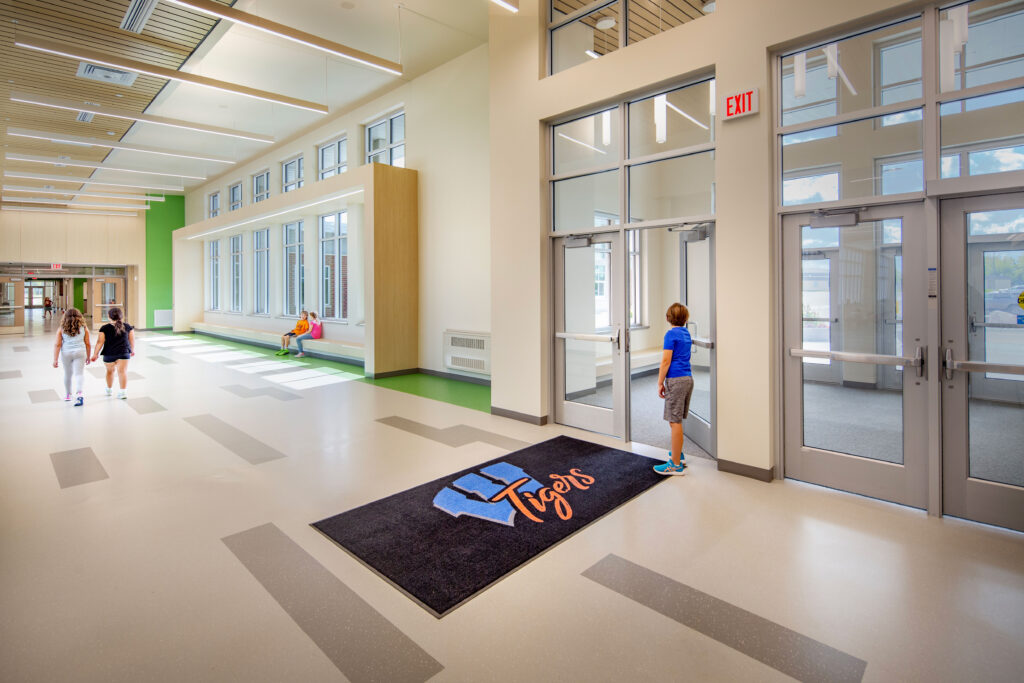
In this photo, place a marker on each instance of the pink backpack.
(317, 330)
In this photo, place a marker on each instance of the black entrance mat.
(443, 542)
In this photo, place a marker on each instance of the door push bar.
(978, 366)
(973, 325)
(703, 343)
(613, 338)
(917, 362)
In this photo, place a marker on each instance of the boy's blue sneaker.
(671, 468)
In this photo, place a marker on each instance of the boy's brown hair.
(677, 314)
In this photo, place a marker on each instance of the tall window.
(333, 158)
(236, 273)
(261, 271)
(235, 197)
(214, 205)
(261, 186)
(334, 265)
(214, 256)
(291, 174)
(385, 141)
(294, 272)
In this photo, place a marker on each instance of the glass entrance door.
(855, 395)
(108, 292)
(590, 356)
(983, 346)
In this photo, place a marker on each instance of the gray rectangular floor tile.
(162, 360)
(235, 440)
(145, 405)
(76, 467)
(10, 374)
(782, 649)
(21, 349)
(358, 639)
(43, 396)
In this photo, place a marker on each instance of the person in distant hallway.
(71, 347)
(301, 327)
(47, 308)
(117, 342)
(316, 330)
(675, 383)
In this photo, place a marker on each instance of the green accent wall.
(79, 292)
(162, 219)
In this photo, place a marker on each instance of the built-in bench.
(349, 352)
(640, 362)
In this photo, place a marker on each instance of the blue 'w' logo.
(457, 504)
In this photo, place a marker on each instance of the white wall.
(447, 140)
(81, 239)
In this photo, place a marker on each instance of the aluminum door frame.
(612, 422)
(703, 432)
(905, 483)
(963, 496)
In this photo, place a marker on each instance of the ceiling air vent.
(137, 15)
(104, 74)
(84, 117)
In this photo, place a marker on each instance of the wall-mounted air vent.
(137, 15)
(104, 74)
(468, 351)
(84, 116)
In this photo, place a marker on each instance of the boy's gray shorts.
(678, 391)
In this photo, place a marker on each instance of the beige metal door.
(107, 292)
(12, 305)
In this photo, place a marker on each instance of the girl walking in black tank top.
(117, 343)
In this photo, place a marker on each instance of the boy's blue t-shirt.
(679, 342)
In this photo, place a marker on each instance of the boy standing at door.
(675, 383)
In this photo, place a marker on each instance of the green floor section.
(465, 394)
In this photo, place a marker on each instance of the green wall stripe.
(162, 219)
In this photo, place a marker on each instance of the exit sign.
(741, 104)
(56, 266)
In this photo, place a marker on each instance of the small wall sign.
(740, 104)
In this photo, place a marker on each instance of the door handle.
(951, 364)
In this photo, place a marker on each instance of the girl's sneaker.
(109, 391)
(300, 355)
(282, 352)
(67, 397)
(122, 394)
(670, 468)
(79, 401)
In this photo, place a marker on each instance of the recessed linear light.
(88, 181)
(95, 142)
(72, 203)
(580, 142)
(684, 114)
(215, 9)
(39, 209)
(591, 54)
(510, 5)
(81, 193)
(61, 161)
(90, 108)
(61, 50)
(290, 209)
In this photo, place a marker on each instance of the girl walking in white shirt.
(71, 348)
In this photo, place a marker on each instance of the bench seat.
(350, 352)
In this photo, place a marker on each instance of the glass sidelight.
(983, 373)
(854, 385)
(590, 337)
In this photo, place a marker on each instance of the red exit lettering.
(741, 104)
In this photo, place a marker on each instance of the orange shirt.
(301, 327)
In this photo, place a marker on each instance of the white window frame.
(261, 299)
(297, 295)
(341, 292)
(341, 159)
(387, 153)
(260, 196)
(235, 249)
(299, 175)
(213, 204)
(213, 270)
(232, 204)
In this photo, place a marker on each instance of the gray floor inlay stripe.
(21, 349)
(78, 466)
(43, 396)
(456, 436)
(145, 405)
(249, 392)
(10, 374)
(163, 360)
(235, 440)
(99, 370)
(787, 651)
(363, 644)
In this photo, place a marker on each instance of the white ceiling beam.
(80, 193)
(88, 181)
(77, 163)
(110, 144)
